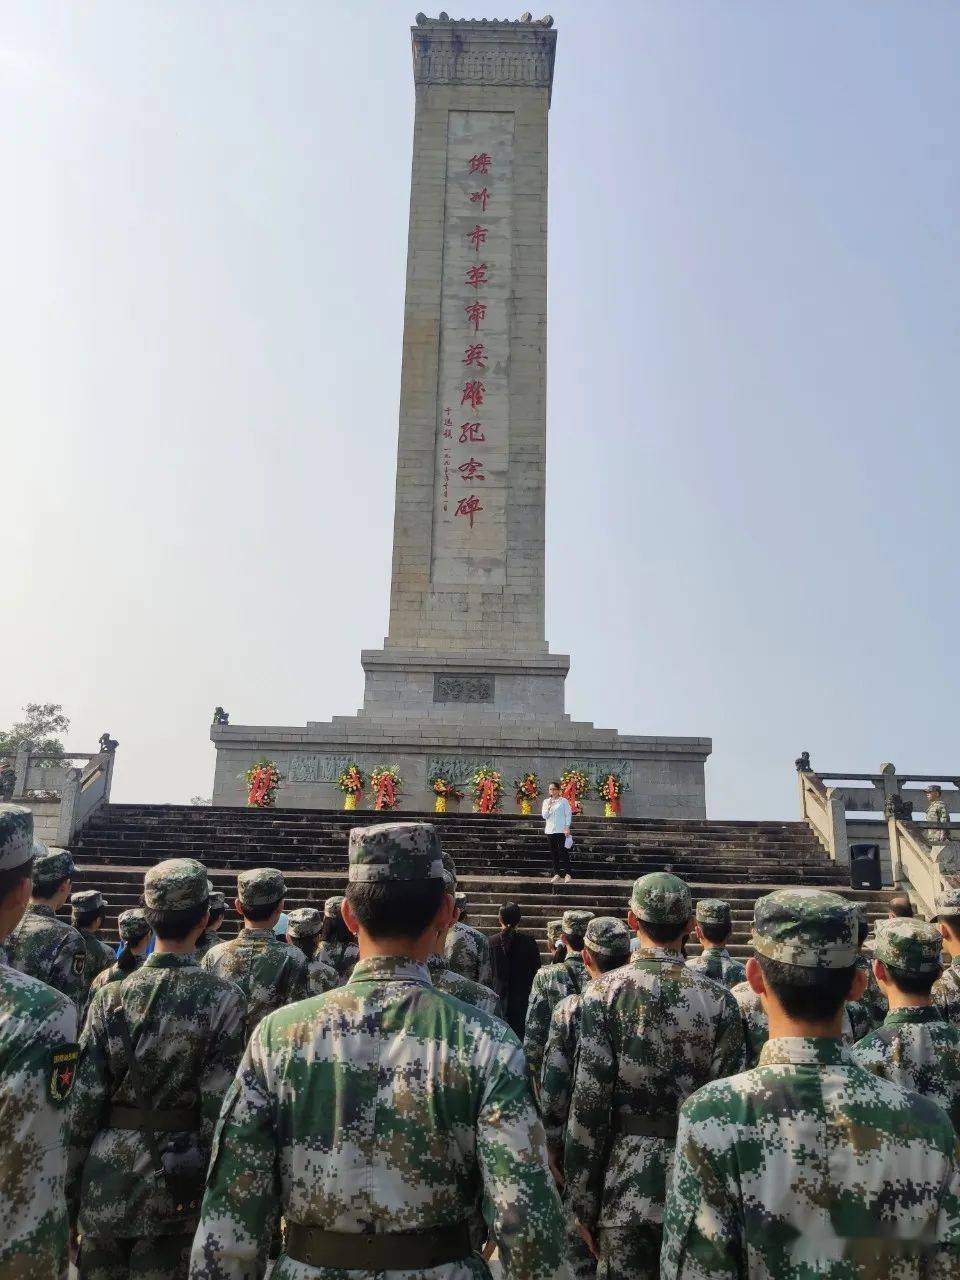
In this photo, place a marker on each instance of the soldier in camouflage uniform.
(855, 1022)
(86, 915)
(43, 946)
(467, 950)
(558, 951)
(338, 948)
(303, 931)
(270, 973)
(915, 1048)
(808, 1165)
(218, 910)
(606, 946)
(937, 812)
(714, 923)
(142, 1130)
(382, 1118)
(135, 934)
(550, 985)
(873, 1001)
(38, 1056)
(651, 1033)
(946, 990)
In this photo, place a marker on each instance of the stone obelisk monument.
(465, 677)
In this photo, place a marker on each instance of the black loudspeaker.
(865, 866)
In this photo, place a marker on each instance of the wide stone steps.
(500, 858)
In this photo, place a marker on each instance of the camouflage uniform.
(338, 956)
(45, 947)
(99, 955)
(550, 985)
(186, 1027)
(946, 990)
(856, 1022)
(915, 1048)
(270, 973)
(608, 939)
(210, 937)
(808, 1165)
(481, 997)
(38, 1056)
(468, 951)
(651, 1033)
(937, 812)
(380, 1110)
(133, 928)
(305, 922)
(717, 962)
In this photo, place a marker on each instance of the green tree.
(43, 724)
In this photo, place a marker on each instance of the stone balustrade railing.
(78, 782)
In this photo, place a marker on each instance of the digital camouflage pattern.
(395, 851)
(321, 976)
(550, 985)
(382, 1106)
(51, 950)
(114, 973)
(873, 1001)
(269, 973)
(305, 922)
(808, 1166)
(661, 898)
(207, 940)
(175, 885)
(918, 1050)
(809, 928)
(332, 905)
(38, 1055)
(948, 903)
(713, 911)
(575, 920)
(607, 938)
(50, 867)
(187, 1029)
(99, 955)
(937, 812)
(210, 937)
(16, 836)
(133, 925)
(911, 946)
(467, 952)
(454, 984)
(338, 956)
(717, 963)
(260, 886)
(856, 1021)
(651, 1033)
(946, 992)
(554, 929)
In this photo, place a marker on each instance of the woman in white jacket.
(557, 817)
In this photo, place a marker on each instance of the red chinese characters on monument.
(480, 163)
(468, 507)
(476, 354)
(476, 311)
(476, 276)
(471, 470)
(472, 394)
(477, 237)
(481, 198)
(471, 433)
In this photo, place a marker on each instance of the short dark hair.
(49, 888)
(81, 919)
(663, 932)
(13, 877)
(395, 908)
(554, 783)
(606, 963)
(810, 995)
(560, 952)
(510, 914)
(910, 982)
(217, 913)
(575, 941)
(260, 912)
(174, 926)
(863, 932)
(716, 933)
(900, 905)
(334, 930)
(306, 943)
(952, 923)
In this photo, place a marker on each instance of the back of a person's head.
(807, 994)
(901, 906)
(510, 915)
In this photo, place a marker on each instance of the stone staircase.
(500, 858)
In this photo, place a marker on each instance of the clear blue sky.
(753, 363)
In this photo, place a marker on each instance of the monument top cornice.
(484, 51)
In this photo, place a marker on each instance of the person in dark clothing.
(516, 958)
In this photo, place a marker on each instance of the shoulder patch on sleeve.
(63, 1070)
(79, 962)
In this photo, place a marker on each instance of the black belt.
(377, 1251)
(153, 1121)
(648, 1126)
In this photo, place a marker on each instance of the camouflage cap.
(607, 936)
(947, 904)
(16, 836)
(52, 865)
(88, 900)
(305, 922)
(934, 786)
(218, 901)
(809, 928)
(713, 911)
(576, 920)
(661, 898)
(911, 945)
(175, 885)
(395, 851)
(460, 897)
(449, 872)
(332, 905)
(260, 886)
(553, 931)
(132, 925)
